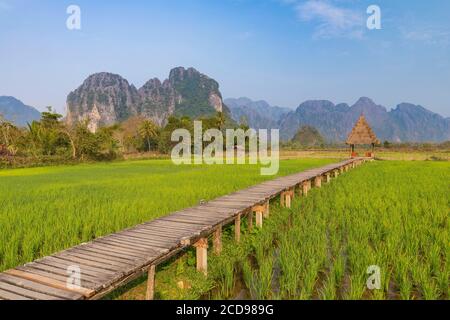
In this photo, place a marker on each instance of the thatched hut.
(362, 134)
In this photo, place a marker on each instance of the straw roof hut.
(362, 134)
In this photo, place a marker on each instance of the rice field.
(393, 215)
(44, 210)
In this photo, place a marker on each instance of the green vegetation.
(391, 214)
(52, 141)
(308, 136)
(43, 210)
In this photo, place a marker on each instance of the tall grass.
(390, 214)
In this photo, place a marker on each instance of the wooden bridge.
(107, 263)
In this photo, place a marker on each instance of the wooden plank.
(49, 282)
(102, 257)
(89, 270)
(74, 260)
(87, 256)
(154, 240)
(131, 244)
(37, 287)
(179, 219)
(61, 279)
(111, 247)
(177, 226)
(62, 271)
(64, 266)
(6, 295)
(200, 218)
(165, 232)
(138, 240)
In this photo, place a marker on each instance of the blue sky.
(283, 51)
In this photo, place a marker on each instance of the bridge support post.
(150, 293)
(267, 210)
(286, 198)
(327, 177)
(259, 210)
(202, 255)
(250, 220)
(336, 173)
(318, 182)
(217, 240)
(305, 188)
(259, 219)
(237, 228)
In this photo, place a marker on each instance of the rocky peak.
(106, 98)
(103, 99)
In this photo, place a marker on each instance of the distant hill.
(259, 114)
(406, 123)
(106, 98)
(308, 136)
(16, 112)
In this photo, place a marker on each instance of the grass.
(44, 210)
(394, 215)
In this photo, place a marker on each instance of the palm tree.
(148, 130)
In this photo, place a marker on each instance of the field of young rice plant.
(44, 210)
(392, 215)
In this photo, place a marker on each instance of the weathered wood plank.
(48, 281)
(37, 287)
(6, 295)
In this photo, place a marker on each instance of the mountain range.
(406, 122)
(106, 98)
(257, 114)
(15, 111)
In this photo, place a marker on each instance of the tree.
(220, 120)
(148, 131)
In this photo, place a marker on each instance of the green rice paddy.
(44, 210)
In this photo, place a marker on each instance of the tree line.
(51, 139)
